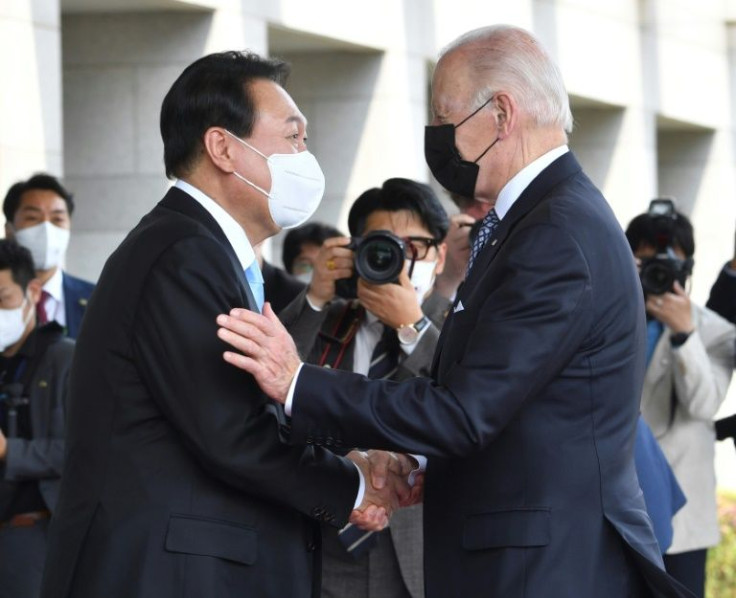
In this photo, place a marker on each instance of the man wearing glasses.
(389, 331)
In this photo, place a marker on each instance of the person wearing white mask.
(34, 367)
(301, 248)
(389, 331)
(38, 216)
(176, 478)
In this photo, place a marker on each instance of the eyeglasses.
(417, 248)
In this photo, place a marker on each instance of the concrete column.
(30, 104)
(117, 69)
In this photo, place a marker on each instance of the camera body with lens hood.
(659, 273)
(379, 259)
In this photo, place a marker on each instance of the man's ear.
(219, 147)
(33, 291)
(441, 256)
(506, 112)
(9, 231)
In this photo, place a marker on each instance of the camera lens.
(657, 276)
(380, 257)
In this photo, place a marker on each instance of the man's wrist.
(677, 339)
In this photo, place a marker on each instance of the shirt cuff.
(409, 348)
(292, 388)
(421, 467)
(361, 488)
(312, 305)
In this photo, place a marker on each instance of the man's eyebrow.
(297, 119)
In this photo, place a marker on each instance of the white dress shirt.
(54, 305)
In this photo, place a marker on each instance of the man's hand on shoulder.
(266, 350)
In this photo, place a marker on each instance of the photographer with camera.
(690, 353)
(34, 365)
(389, 330)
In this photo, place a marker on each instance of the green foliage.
(721, 569)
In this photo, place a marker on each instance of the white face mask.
(46, 242)
(305, 277)
(422, 278)
(13, 325)
(297, 186)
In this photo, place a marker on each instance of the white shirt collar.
(233, 231)
(520, 181)
(55, 286)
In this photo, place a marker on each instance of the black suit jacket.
(76, 296)
(279, 287)
(529, 417)
(722, 299)
(41, 458)
(175, 482)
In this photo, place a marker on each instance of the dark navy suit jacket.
(76, 296)
(175, 481)
(530, 415)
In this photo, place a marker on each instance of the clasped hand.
(387, 488)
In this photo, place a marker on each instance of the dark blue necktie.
(489, 224)
(385, 357)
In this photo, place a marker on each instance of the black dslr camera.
(379, 259)
(659, 273)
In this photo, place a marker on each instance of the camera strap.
(342, 334)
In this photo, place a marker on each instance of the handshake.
(389, 485)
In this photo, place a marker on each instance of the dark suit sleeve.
(223, 418)
(42, 457)
(304, 323)
(722, 298)
(516, 333)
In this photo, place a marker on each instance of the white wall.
(30, 103)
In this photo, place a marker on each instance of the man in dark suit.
(176, 482)
(529, 416)
(38, 215)
(34, 368)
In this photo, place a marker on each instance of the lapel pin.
(42, 384)
(83, 302)
(493, 242)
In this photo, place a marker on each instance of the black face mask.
(444, 160)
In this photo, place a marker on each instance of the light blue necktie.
(255, 282)
(489, 224)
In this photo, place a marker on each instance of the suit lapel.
(181, 202)
(561, 169)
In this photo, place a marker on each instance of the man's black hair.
(315, 233)
(401, 194)
(39, 181)
(19, 261)
(643, 231)
(213, 91)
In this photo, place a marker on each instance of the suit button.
(311, 546)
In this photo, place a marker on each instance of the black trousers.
(689, 569)
(22, 555)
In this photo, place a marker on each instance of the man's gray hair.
(507, 58)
